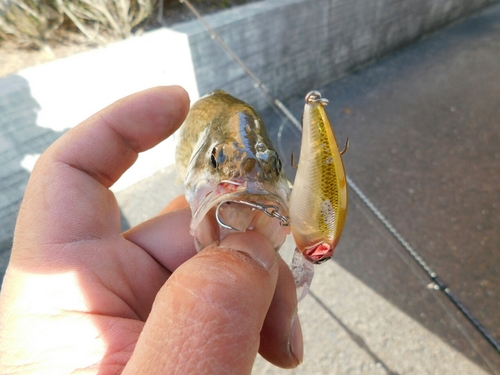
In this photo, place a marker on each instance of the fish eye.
(213, 158)
(217, 156)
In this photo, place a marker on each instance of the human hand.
(81, 297)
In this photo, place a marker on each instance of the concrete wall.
(294, 46)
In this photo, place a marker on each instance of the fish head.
(233, 167)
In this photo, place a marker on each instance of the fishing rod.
(437, 282)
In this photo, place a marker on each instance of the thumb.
(208, 316)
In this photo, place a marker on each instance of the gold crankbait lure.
(318, 204)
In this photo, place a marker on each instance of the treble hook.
(269, 209)
(346, 147)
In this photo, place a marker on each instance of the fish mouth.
(237, 207)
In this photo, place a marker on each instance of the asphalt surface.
(424, 130)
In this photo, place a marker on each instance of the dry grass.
(33, 23)
(114, 17)
(30, 22)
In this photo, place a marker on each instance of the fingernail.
(296, 342)
(253, 244)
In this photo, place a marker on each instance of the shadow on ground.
(423, 126)
(21, 140)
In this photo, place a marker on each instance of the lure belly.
(318, 203)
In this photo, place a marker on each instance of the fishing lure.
(318, 204)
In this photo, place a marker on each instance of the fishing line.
(281, 129)
(413, 265)
(438, 283)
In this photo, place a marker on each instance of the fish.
(233, 176)
(318, 202)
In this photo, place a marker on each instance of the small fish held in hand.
(233, 176)
(235, 181)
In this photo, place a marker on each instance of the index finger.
(67, 198)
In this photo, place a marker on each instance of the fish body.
(318, 203)
(228, 162)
